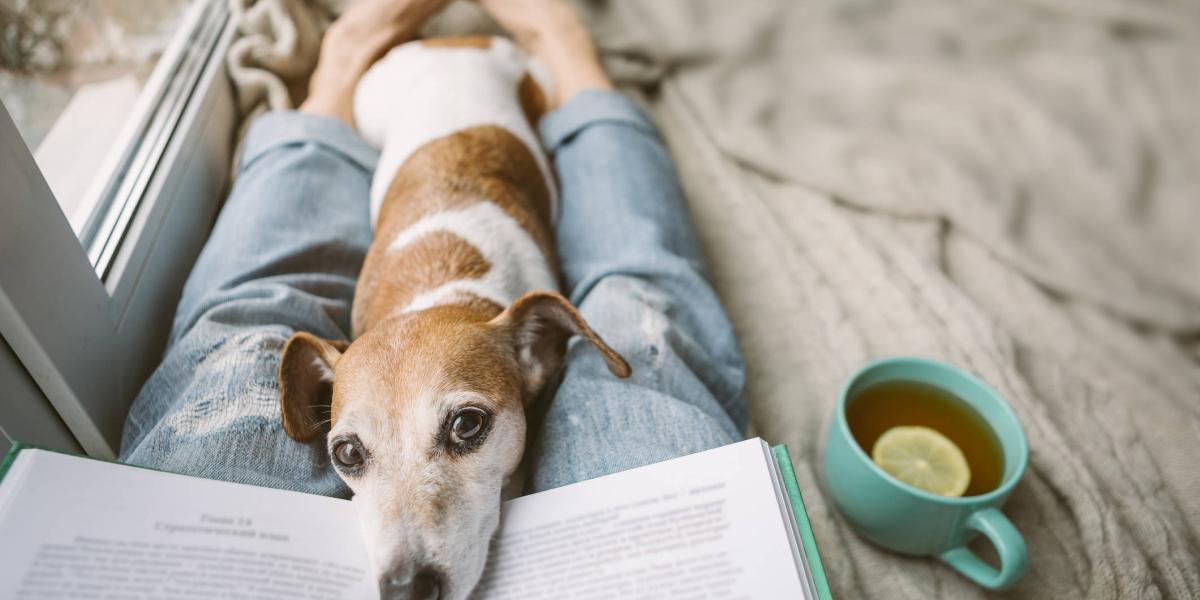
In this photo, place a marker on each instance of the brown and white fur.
(455, 313)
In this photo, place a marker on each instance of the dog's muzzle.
(411, 582)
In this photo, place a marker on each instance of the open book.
(727, 522)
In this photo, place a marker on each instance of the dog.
(457, 324)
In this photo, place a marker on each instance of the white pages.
(79, 528)
(715, 524)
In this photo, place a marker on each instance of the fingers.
(369, 28)
(531, 20)
(362, 35)
(555, 33)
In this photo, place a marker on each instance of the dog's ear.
(306, 383)
(541, 323)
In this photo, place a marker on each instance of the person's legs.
(290, 240)
(633, 267)
(283, 256)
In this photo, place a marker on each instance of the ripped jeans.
(286, 249)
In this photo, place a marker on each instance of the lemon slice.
(923, 458)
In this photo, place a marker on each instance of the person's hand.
(552, 31)
(362, 35)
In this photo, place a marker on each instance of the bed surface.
(1013, 187)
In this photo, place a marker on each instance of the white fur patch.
(417, 94)
(517, 263)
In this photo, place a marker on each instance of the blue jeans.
(288, 245)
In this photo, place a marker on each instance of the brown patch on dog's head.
(475, 41)
(504, 358)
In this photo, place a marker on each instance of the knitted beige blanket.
(1009, 185)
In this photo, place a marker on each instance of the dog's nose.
(402, 584)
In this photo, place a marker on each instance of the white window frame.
(88, 326)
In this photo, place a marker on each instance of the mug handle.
(1014, 561)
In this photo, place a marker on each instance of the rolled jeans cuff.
(589, 108)
(288, 127)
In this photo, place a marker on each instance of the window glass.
(90, 84)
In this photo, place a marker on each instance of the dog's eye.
(347, 454)
(468, 424)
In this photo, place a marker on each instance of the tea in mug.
(895, 403)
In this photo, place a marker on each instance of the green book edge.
(806, 534)
(11, 457)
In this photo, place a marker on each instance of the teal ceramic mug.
(909, 520)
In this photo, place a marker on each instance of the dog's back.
(463, 195)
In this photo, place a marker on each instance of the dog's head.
(426, 422)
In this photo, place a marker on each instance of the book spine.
(11, 457)
(806, 533)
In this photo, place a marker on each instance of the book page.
(706, 525)
(79, 528)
